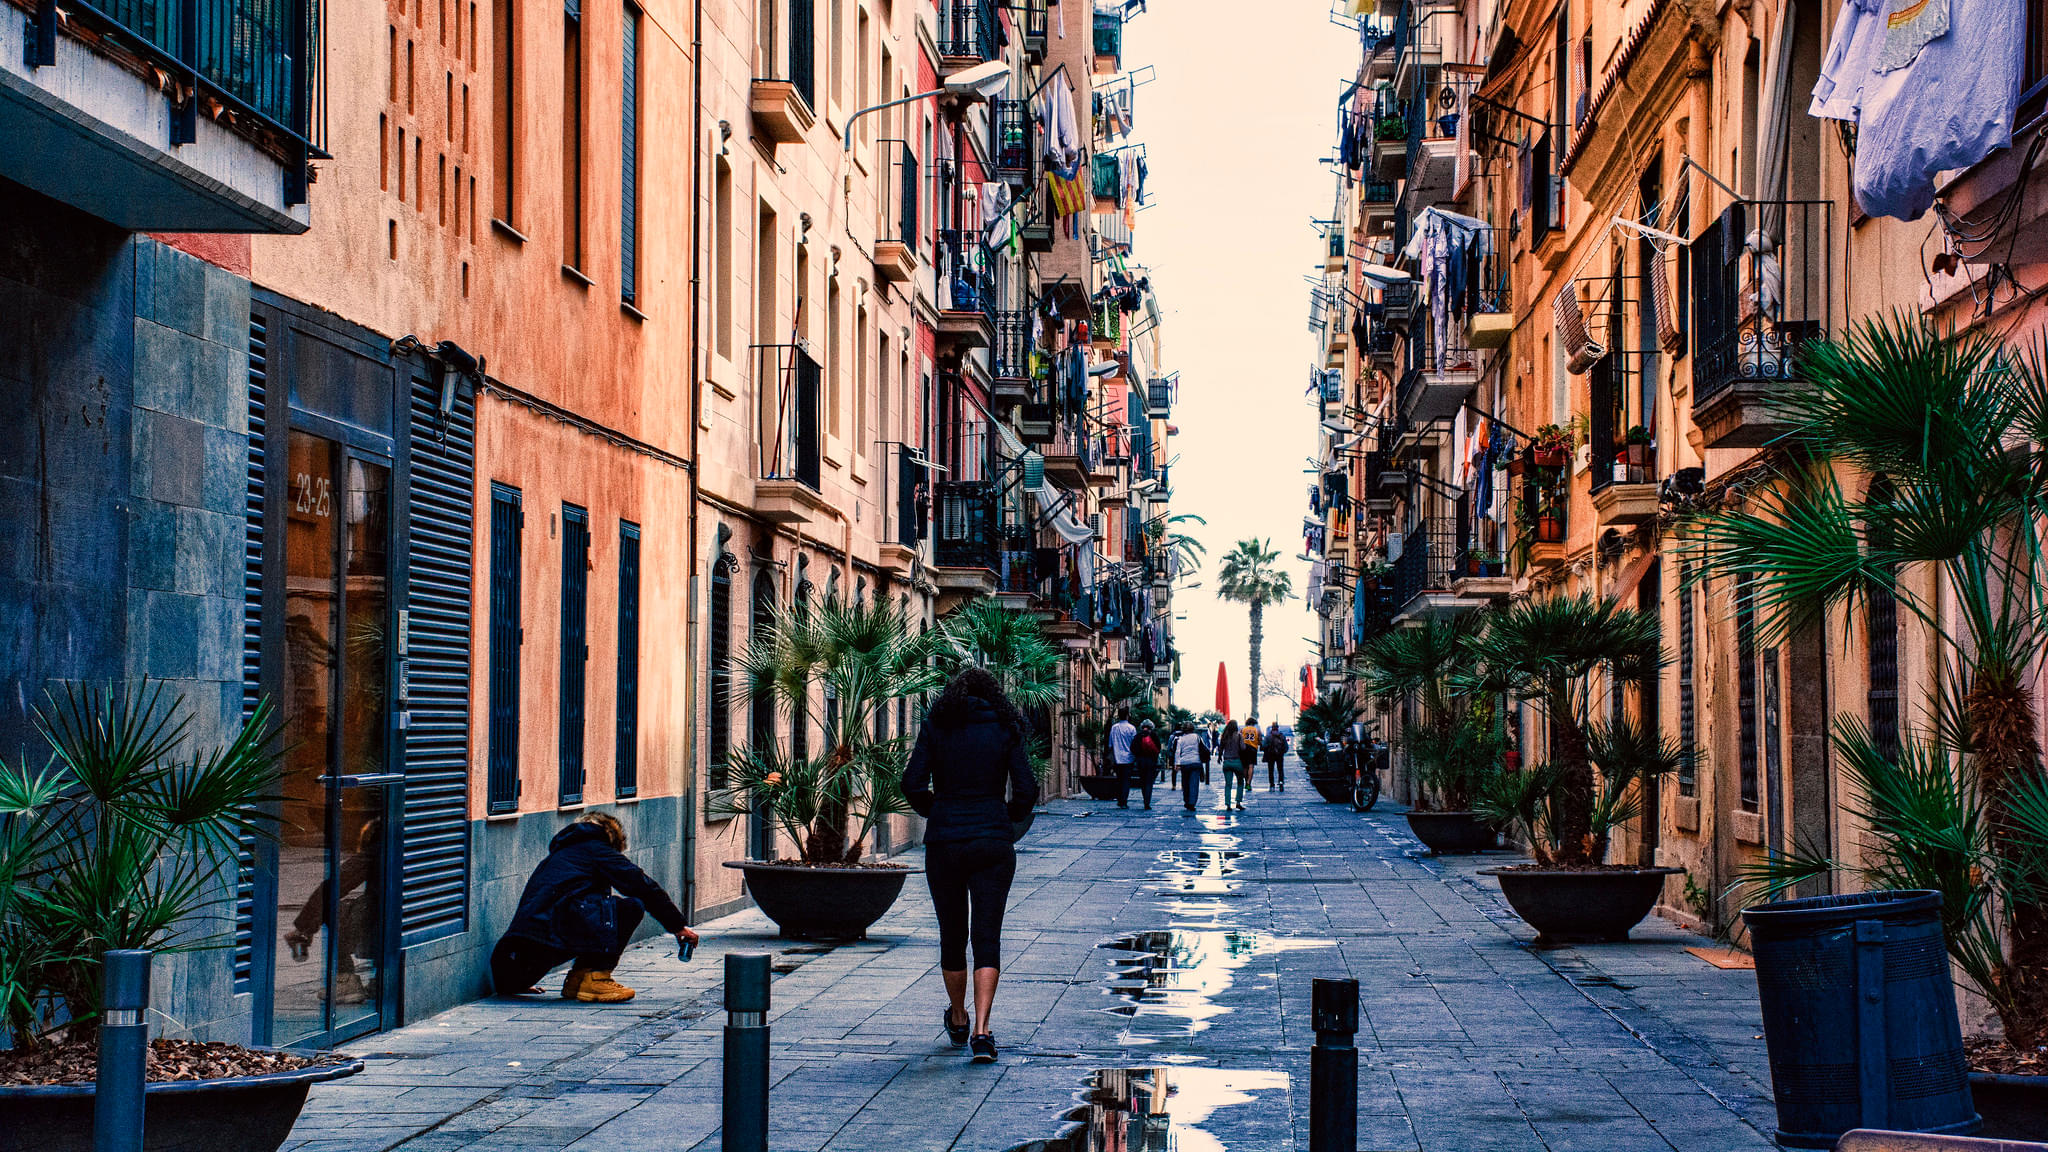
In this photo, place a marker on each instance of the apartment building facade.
(1576, 247)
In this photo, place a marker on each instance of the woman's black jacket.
(965, 761)
(581, 862)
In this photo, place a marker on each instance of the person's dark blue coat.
(581, 862)
(965, 762)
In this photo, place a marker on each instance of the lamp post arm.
(847, 145)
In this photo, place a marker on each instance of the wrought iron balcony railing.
(967, 29)
(967, 274)
(1014, 141)
(1760, 289)
(786, 378)
(1010, 356)
(898, 193)
(1428, 559)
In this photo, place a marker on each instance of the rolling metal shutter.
(575, 650)
(252, 633)
(434, 884)
(507, 519)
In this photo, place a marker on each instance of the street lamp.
(981, 82)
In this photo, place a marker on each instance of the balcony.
(1481, 574)
(1390, 138)
(1419, 46)
(1440, 378)
(1036, 22)
(1071, 455)
(1010, 355)
(1109, 43)
(166, 115)
(1013, 142)
(967, 34)
(1747, 335)
(787, 488)
(1376, 205)
(784, 92)
(906, 502)
(782, 114)
(967, 291)
(1426, 573)
(1542, 476)
(966, 552)
(1433, 146)
(896, 227)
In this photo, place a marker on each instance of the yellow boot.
(600, 988)
(572, 984)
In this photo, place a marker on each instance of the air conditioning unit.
(1095, 525)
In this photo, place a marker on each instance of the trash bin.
(1860, 1016)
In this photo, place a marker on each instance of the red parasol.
(1222, 690)
(1308, 685)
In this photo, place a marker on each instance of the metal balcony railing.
(1109, 38)
(786, 378)
(1761, 288)
(968, 532)
(1010, 355)
(1013, 143)
(1017, 560)
(898, 194)
(1036, 24)
(1428, 559)
(968, 282)
(967, 29)
(1376, 192)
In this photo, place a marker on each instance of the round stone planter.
(1102, 787)
(241, 1114)
(1452, 833)
(822, 903)
(1581, 907)
(2013, 1107)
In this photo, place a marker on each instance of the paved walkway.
(1471, 1039)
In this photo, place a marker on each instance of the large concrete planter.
(1592, 906)
(1335, 789)
(2013, 1107)
(823, 903)
(1452, 833)
(242, 1114)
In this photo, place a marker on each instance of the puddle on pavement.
(1211, 869)
(1168, 986)
(1160, 1108)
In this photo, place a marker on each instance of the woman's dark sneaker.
(982, 1049)
(957, 1033)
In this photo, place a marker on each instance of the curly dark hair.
(972, 683)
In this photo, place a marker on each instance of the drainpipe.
(689, 782)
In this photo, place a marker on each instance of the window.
(765, 321)
(572, 133)
(721, 255)
(1745, 687)
(761, 703)
(504, 112)
(719, 743)
(861, 98)
(860, 381)
(834, 366)
(803, 47)
(626, 754)
(629, 157)
(506, 636)
(575, 650)
(767, 26)
(1688, 733)
(1882, 611)
(800, 712)
(835, 50)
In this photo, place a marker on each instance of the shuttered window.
(720, 743)
(629, 157)
(761, 704)
(1688, 732)
(507, 635)
(434, 884)
(575, 652)
(1882, 699)
(252, 632)
(1745, 689)
(626, 758)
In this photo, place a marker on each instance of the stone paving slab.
(1470, 1038)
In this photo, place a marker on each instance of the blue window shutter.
(719, 745)
(252, 633)
(507, 519)
(629, 158)
(575, 652)
(434, 880)
(628, 724)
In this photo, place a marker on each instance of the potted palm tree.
(864, 657)
(1117, 691)
(1319, 725)
(1566, 811)
(1954, 427)
(1011, 646)
(1452, 748)
(1250, 577)
(119, 842)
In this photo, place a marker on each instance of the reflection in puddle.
(1161, 1109)
(1204, 871)
(1169, 987)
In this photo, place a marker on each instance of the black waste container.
(1860, 1016)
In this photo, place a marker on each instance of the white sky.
(1243, 107)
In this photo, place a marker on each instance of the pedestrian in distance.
(1190, 750)
(1227, 748)
(1144, 765)
(1252, 739)
(1276, 759)
(1209, 735)
(568, 911)
(1122, 735)
(970, 778)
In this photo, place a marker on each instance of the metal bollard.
(745, 1125)
(1333, 1068)
(124, 1051)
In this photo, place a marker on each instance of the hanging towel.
(1580, 351)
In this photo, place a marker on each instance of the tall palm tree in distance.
(1249, 577)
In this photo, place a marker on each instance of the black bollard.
(746, 1052)
(124, 1051)
(1333, 1068)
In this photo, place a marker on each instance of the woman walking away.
(1190, 749)
(568, 911)
(970, 777)
(1227, 747)
(1144, 763)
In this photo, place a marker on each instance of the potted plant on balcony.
(1482, 562)
(1567, 810)
(864, 657)
(1451, 748)
(1959, 803)
(1390, 128)
(1553, 444)
(120, 842)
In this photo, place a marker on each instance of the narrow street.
(1138, 945)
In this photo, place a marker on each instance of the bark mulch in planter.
(168, 1060)
(862, 867)
(1994, 1055)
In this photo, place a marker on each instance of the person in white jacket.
(1189, 747)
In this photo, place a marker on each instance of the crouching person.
(569, 912)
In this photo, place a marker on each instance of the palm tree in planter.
(1117, 691)
(1249, 577)
(121, 841)
(864, 657)
(1952, 538)
(1320, 724)
(1566, 812)
(1453, 748)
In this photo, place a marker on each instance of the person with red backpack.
(1144, 765)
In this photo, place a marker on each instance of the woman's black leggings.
(970, 883)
